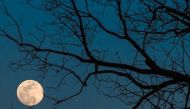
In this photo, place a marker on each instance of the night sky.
(10, 78)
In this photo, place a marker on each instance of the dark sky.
(10, 79)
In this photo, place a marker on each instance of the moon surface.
(30, 92)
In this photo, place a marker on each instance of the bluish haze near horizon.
(10, 79)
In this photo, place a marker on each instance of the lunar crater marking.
(30, 92)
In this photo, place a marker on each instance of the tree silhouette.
(133, 50)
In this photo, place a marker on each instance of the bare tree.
(133, 50)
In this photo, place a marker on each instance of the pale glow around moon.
(30, 92)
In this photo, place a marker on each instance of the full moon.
(30, 92)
